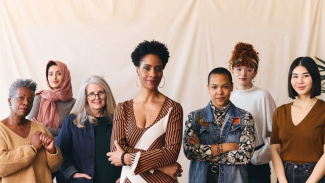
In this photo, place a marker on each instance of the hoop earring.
(137, 82)
(164, 83)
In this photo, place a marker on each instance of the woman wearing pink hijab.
(51, 107)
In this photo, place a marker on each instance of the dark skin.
(147, 105)
(219, 87)
(20, 106)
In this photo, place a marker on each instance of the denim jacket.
(231, 168)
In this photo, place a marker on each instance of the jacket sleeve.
(64, 143)
(197, 152)
(246, 145)
(12, 161)
(142, 160)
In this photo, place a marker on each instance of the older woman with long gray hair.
(84, 138)
(27, 149)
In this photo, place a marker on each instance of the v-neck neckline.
(156, 119)
(29, 134)
(290, 113)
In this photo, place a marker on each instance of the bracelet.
(221, 151)
(218, 149)
(122, 158)
(33, 147)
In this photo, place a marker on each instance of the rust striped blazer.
(155, 146)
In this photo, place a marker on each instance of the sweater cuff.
(55, 155)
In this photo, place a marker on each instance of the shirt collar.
(217, 111)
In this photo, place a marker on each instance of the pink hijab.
(48, 114)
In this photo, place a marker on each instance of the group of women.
(90, 139)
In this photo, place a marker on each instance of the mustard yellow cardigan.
(18, 161)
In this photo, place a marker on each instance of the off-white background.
(98, 36)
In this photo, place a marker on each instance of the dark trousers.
(213, 174)
(258, 174)
(299, 173)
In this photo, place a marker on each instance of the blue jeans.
(299, 173)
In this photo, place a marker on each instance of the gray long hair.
(81, 108)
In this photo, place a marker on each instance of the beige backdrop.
(97, 37)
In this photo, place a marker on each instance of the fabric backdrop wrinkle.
(97, 37)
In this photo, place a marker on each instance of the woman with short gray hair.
(85, 135)
(27, 149)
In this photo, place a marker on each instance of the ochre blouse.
(302, 143)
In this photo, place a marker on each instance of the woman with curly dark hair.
(244, 66)
(147, 130)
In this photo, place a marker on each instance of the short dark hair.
(312, 68)
(50, 64)
(150, 47)
(220, 70)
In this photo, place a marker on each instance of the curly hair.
(244, 54)
(28, 83)
(152, 47)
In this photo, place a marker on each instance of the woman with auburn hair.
(297, 139)
(148, 128)
(244, 67)
(85, 135)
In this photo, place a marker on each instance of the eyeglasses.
(246, 69)
(92, 96)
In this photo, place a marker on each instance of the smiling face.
(244, 76)
(150, 71)
(55, 77)
(22, 102)
(301, 81)
(220, 89)
(95, 98)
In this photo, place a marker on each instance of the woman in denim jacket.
(219, 139)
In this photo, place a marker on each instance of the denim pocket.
(203, 135)
(234, 133)
(235, 127)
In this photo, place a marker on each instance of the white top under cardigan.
(261, 105)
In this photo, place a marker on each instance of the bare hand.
(213, 159)
(174, 170)
(81, 175)
(48, 143)
(34, 119)
(193, 140)
(35, 140)
(115, 157)
(226, 147)
(118, 180)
